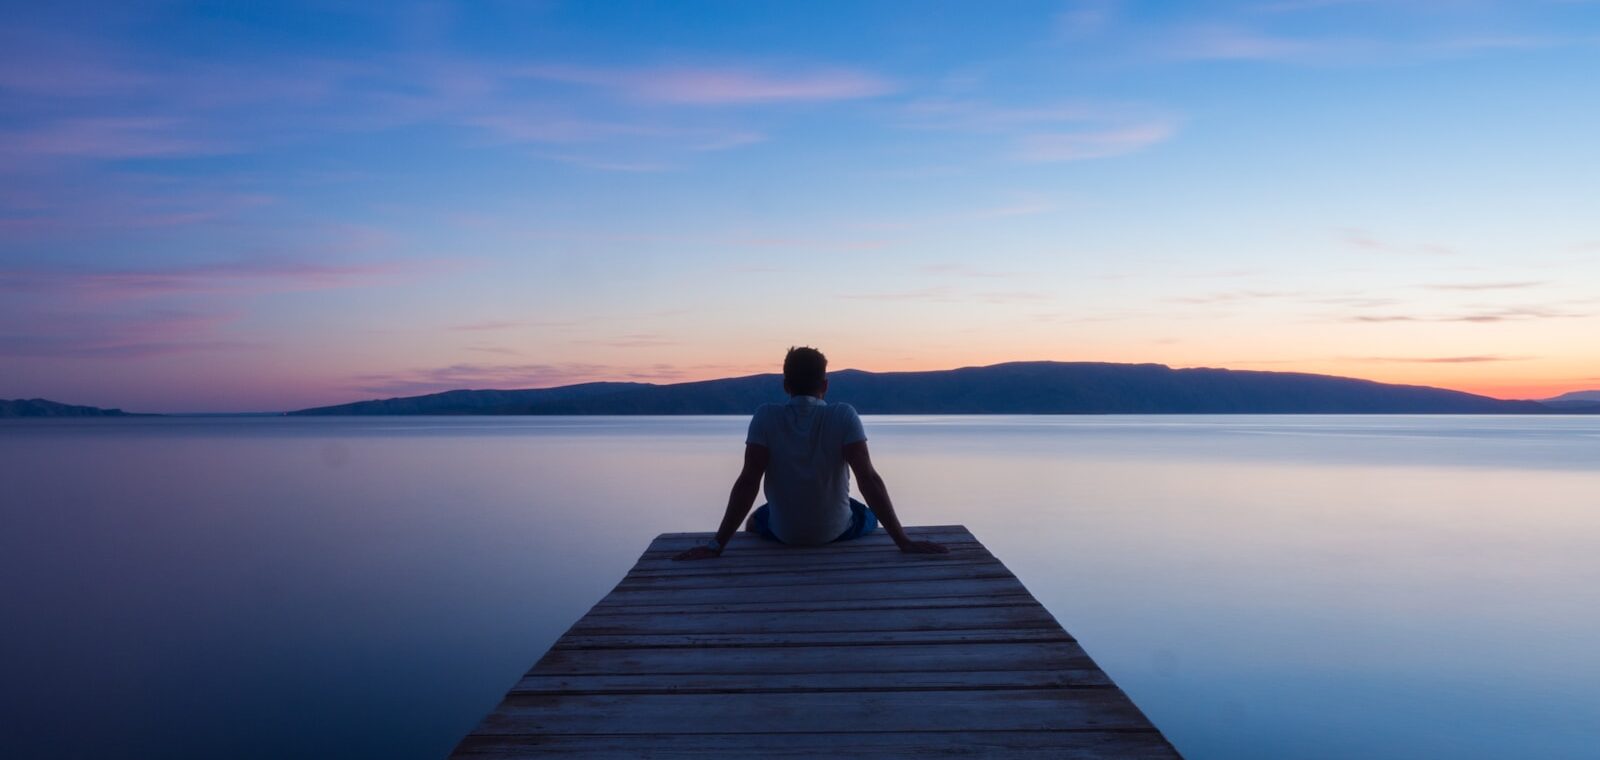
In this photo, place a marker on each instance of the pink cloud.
(232, 277)
(485, 326)
(1219, 42)
(60, 208)
(708, 86)
(107, 138)
(1089, 144)
(638, 340)
(42, 62)
(1225, 43)
(159, 332)
(1052, 132)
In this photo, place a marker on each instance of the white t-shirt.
(808, 482)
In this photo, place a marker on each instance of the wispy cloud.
(945, 294)
(1220, 42)
(485, 326)
(636, 340)
(229, 277)
(719, 86)
(939, 294)
(1478, 359)
(1224, 41)
(1024, 206)
(1485, 316)
(83, 99)
(1094, 143)
(1234, 296)
(136, 335)
(1357, 237)
(1295, 6)
(1476, 286)
(109, 138)
(1053, 132)
(966, 271)
(611, 165)
(1085, 18)
(1360, 302)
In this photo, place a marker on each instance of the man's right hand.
(699, 552)
(922, 547)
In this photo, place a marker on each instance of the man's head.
(805, 372)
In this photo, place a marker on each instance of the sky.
(255, 207)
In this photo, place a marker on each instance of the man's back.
(807, 481)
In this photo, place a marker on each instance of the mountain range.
(1013, 388)
(1576, 400)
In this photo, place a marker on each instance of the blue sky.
(236, 206)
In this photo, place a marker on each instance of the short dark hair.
(805, 369)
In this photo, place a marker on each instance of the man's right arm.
(876, 493)
(740, 499)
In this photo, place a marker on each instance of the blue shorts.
(862, 522)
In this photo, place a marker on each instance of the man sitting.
(802, 448)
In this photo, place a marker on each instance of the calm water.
(1262, 586)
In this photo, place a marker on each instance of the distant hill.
(1015, 388)
(38, 407)
(1575, 401)
(476, 402)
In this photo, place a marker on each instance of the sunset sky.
(250, 206)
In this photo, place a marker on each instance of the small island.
(38, 407)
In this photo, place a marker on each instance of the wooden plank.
(717, 568)
(811, 639)
(669, 607)
(768, 550)
(822, 576)
(923, 532)
(806, 712)
(689, 683)
(1020, 745)
(1065, 655)
(845, 650)
(903, 589)
(746, 541)
(912, 619)
(743, 561)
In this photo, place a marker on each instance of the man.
(802, 448)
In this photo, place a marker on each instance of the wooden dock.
(842, 651)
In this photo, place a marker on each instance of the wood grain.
(849, 650)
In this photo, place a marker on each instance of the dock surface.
(842, 651)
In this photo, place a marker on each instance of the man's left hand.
(923, 547)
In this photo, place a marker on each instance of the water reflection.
(1262, 586)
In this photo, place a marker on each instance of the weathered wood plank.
(878, 536)
(903, 589)
(940, 618)
(744, 563)
(668, 607)
(846, 650)
(745, 541)
(811, 639)
(860, 571)
(822, 576)
(687, 683)
(822, 712)
(1021, 745)
(1065, 655)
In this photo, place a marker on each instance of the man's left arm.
(740, 500)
